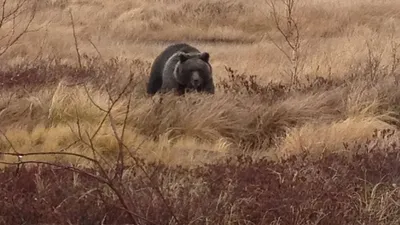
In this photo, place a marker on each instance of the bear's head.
(194, 70)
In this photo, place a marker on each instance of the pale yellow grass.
(320, 138)
(196, 129)
(186, 152)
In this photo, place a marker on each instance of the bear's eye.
(192, 71)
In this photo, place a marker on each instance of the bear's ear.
(183, 57)
(205, 56)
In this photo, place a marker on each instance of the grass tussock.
(318, 139)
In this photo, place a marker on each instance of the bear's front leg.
(209, 87)
(180, 90)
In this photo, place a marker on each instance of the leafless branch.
(290, 33)
(11, 16)
(394, 54)
(97, 50)
(75, 39)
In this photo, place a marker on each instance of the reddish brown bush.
(41, 74)
(108, 74)
(332, 190)
(243, 84)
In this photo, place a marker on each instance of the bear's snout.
(196, 79)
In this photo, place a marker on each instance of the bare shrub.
(289, 29)
(236, 83)
(330, 190)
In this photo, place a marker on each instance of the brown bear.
(181, 68)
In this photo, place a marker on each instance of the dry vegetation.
(303, 128)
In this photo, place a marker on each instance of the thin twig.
(75, 39)
(11, 16)
(97, 50)
(98, 178)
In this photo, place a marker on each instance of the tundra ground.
(303, 128)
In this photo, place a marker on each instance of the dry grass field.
(306, 105)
